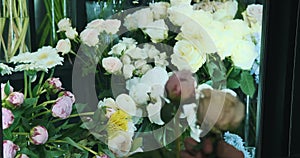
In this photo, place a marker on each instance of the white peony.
(112, 65)
(157, 30)
(126, 103)
(120, 143)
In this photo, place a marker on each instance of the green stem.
(229, 72)
(40, 114)
(79, 145)
(20, 133)
(30, 89)
(75, 115)
(25, 84)
(47, 102)
(40, 83)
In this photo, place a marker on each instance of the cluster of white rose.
(128, 59)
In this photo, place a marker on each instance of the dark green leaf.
(247, 83)
(73, 143)
(28, 152)
(216, 70)
(232, 84)
(7, 88)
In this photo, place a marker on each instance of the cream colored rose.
(63, 46)
(138, 19)
(120, 143)
(112, 64)
(238, 27)
(71, 33)
(180, 2)
(187, 56)
(150, 50)
(253, 14)
(96, 24)
(136, 53)
(243, 54)
(112, 26)
(159, 10)
(179, 14)
(90, 37)
(64, 24)
(226, 11)
(128, 71)
(157, 30)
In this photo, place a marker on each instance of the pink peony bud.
(38, 135)
(3, 95)
(102, 156)
(7, 118)
(54, 85)
(63, 107)
(9, 149)
(68, 94)
(22, 156)
(15, 99)
(181, 86)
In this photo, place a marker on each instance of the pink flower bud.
(38, 135)
(68, 94)
(3, 95)
(54, 85)
(102, 156)
(181, 86)
(22, 156)
(7, 118)
(9, 149)
(15, 99)
(63, 107)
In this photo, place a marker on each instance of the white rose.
(112, 64)
(180, 2)
(89, 37)
(159, 10)
(136, 53)
(150, 50)
(157, 30)
(187, 56)
(126, 59)
(96, 24)
(64, 24)
(126, 103)
(179, 14)
(120, 143)
(253, 14)
(238, 27)
(139, 63)
(63, 46)
(138, 19)
(128, 71)
(111, 26)
(226, 11)
(243, 54)
(71, 33)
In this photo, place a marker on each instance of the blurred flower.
(181, 86)
(3, 95)
(159, 10)
(112, 65)
(15, 99)
(120, 143)
(38, 135)
(53, 85)
(5, 70)
(102, 156)
(71, 33)
(63, 46)
(139, 19)
(90, 37)
(111, 26)
(157, 30)
(63, 107)
(122, 46)
(128, 71)
(253, 14)
(30, 67)
(7, 118)
(9, 149)
(22, 156)
(64, 24)
(126, 103)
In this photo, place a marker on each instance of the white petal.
(140, 93)
(126, 103)
(154, 113)
(155, 76)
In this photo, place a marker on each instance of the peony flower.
(243, 54)
(5, 70)
(157, 30)
(9, 149)
(90, 37)
(112, 64)
(3, 95)
(71, 33)
(22, 156)
(7, 118)
(219, 109)
(63, 46)
(153, 111)
(120, 143)
(69, 94)
(110, 105)
(159, 9)
(126, 103)
(64, 24)
(15, 99)
(53, 84)
(38, 135)
(187, 57)
(63, 107)
(138, 19)
(102, 156)
(181, 86)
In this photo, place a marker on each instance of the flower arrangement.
(177, 70)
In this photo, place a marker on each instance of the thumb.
(225, 150)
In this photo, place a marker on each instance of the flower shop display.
(162, 73)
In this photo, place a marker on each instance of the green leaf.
(137, 142)
(28, 152)
(73, 143)
(232, 84)
(53, 153)
(216, 70)
(30, 101)
(247, 83)
(7, 88)
(235, 72)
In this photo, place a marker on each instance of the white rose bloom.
(71, 33)
(187, 56)
(136, 53)
(126, 59)
(145, 68)
(243, 54)
(139, 63)
(120, 143)
(159, 9)
(226, 11)
(89, 37)
(111, 26)
(64, 24)
(224, 43)
(150, 50)
(96, 24)
(128, 71)
(112, 65)
(157, 30)
(150, 78)
(139, 93)
(138, 19)
(253, 14)
(154, 113)
(63, 46)
(126, 103)
(238, 27)
(180, 2)
(178, 15)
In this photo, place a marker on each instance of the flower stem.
(40, 114)
(25, 84)
(47, 102)
(20, 133)
(229, 72)
(79, 145)
(75, 115)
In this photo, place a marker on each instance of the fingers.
(225, 150)
(207, 146)
(186, 154)
(190, 143)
